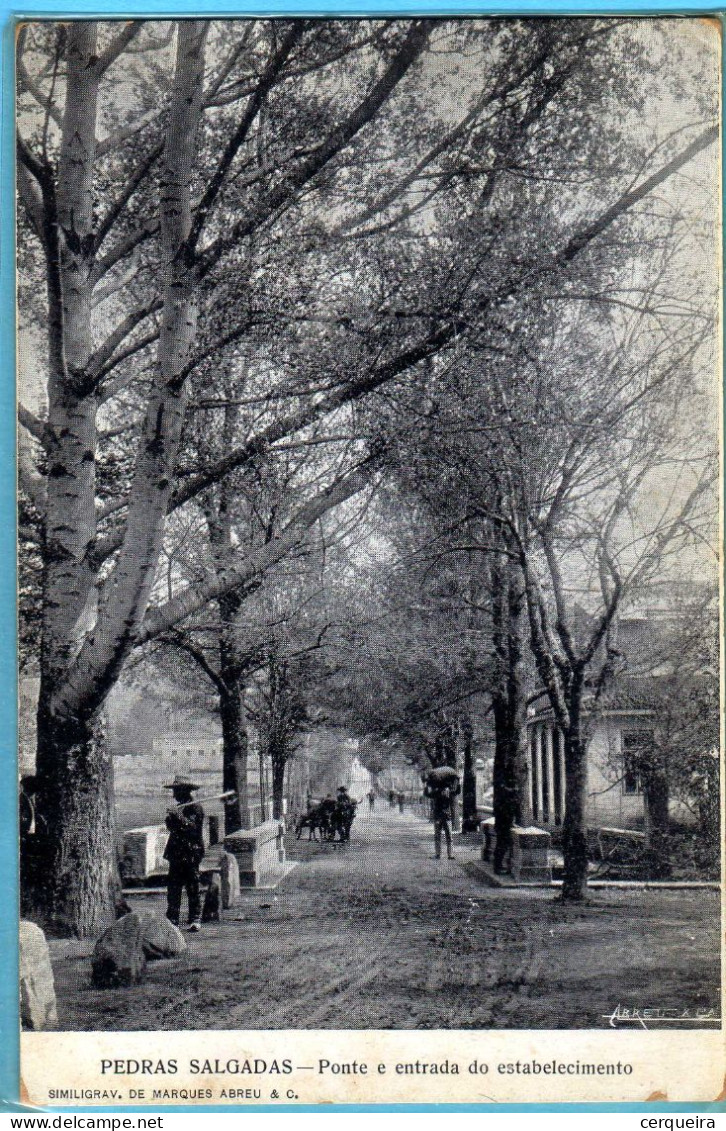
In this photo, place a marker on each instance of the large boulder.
(229, 880)
(37, 991)
(159, 937)
(118, 956)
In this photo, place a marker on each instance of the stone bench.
(142, 852)
(619, 851)
(619, 841)
(529, 855)
(488, 838)
(260, 853)
(142, 855)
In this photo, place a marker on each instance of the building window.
(634, 744)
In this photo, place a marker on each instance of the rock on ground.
(37, 991)
(159, 937)
(118, 956)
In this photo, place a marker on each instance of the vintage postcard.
(369, 420)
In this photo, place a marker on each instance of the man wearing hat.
(345, 812)
(184, 851)
(442, 786)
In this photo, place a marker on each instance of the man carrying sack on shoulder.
(442, 786)
(184, 851)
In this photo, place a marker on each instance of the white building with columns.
(614, 733)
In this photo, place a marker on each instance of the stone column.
(561, 772)
(531, 749)
(479, 773)
(548, 753)
(539, 733)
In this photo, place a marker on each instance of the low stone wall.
(260, 853)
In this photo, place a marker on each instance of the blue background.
(10, 15)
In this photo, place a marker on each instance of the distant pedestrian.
(441, 791)
(184, 851)
(392, 798)
(371, 800)
(401, 801)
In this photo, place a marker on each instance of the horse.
(315, 820)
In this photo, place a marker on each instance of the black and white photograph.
(369, 423)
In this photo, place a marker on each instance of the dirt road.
(378, 934)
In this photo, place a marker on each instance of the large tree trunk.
(574, 828)
(218, 506)
(450, 748)
(709, 813)
(279, 761)
(449, 736)
(504, 781)
(503, 784)
(70, 521)
(469, 818)
(234, 758)
(516, 696)
(657, 821)
(235, 742)
(563, 676)
(75, 860)
(126, 596)
(74, 873)
(83, 649)
(278, 730)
